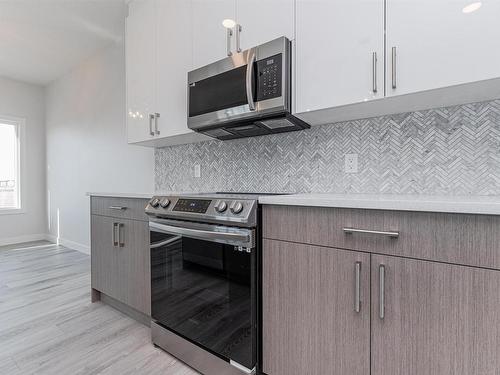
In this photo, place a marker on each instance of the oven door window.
(204, 291)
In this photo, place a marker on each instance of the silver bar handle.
(394, 83)
(251, 61)
(151, 118)
(374, 67)
(157, 115)
(119, 208)
(381, 275)
(357, 287)
(367, 231)
(121, 241)
(229, 35)
(238, 38)
(222, 237)
(114, 240)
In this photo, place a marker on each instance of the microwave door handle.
(251, 61)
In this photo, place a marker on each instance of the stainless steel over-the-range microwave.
(244, 95)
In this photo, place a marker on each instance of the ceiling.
(41, 40)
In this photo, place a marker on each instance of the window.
(10, 164)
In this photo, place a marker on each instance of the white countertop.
(426, 203)
(121, 195)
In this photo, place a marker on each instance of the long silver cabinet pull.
(357, 287)
(151, 119)
(157, 131)
(238, 38)
(367, 231)
(121, 241)
(115, 241)
(394, 71)
(229, 35)
(251, 61)
(119, 208)
(381, 277)
(374, 67)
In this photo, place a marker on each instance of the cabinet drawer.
(126, 208)
(454, 238)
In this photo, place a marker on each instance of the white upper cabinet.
(209, 35)
(174, 60)
(264, 20)
(141, 68)
(440, 43)
(339, 52)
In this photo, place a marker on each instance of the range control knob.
(165, 202)
(220, 206)
(155, 202)
(236, 207)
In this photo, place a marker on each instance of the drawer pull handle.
(367, 231)
(119, 208)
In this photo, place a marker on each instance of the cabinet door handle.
(381, 280)
(374, 67)
(394, 72)
(157, 115)
(229, 35)
(238, 36)
(368, 231)
(114, 240)
(121, 241)
(357, 287)
(151, 118)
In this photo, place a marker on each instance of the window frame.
(19, 122)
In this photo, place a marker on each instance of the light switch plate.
(197, 171)
(351, 163)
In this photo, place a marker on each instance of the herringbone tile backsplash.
(453, 150)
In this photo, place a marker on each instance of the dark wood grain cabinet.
(316, 317)
(418, 315)
(120, 258)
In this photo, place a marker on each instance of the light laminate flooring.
(49, 326)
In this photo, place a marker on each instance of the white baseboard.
(21, 239)
(74, 246)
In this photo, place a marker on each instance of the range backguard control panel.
(269, 73)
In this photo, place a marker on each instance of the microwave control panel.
(269, 73)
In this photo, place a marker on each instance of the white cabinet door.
(335, 42)
(141, 68)
(438, 45)
(174, 60)
(265, 20)
(209, 36)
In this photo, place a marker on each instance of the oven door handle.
(238, 239)
(165, 243)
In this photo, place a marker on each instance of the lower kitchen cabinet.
(438, 318)
(312, 323)
(419, 314)
(121, 261)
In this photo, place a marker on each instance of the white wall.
(87, 146)
(27, 101)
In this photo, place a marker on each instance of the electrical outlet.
(351, 163)
(197, 171)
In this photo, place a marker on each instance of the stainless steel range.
(204, 280)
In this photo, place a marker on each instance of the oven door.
(203, 286)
